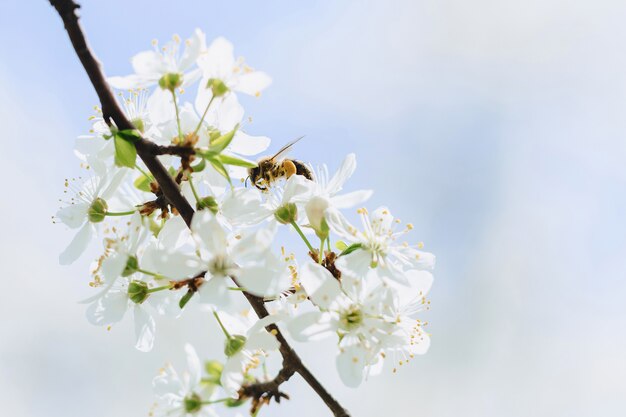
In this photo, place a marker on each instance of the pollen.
(420, 245)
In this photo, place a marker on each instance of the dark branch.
(111, 109)
(148, 152)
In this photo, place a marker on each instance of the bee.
(272, 168)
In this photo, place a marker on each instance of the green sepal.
(185, 299)
(200, 166)
(234, 402)
(220, 143)
(219, 167)
(240, 162)
(351, 249)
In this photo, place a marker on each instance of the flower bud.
(208, 203)
(217, 86)
(192, 403)
(97, 211)
(214, 372)
(132, 266)
(315, 212)
(287, 213)
(234, 344)
(138, 291)
(171, 81)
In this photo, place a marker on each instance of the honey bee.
(272, 168)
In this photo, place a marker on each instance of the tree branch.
(148, 152)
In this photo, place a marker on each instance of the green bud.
(217, 86)
(97, 210)
(287, 213)
(171, 81)
(214, 372)
(138, 291)
(351, 318)
(192, 403)
(208, 203)
(132, 266)
(234, 344)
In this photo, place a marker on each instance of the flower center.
(219, 266)
(192, 403)
(351, 318)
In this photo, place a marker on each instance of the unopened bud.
(315, 212)
(97, 210)
(171, 81)
(234, 344)
(208, 203)
(217, 86)
(138, 291)
(287, 213)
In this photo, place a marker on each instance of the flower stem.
(144, 172)
(155, 289)
(152, 274)
(195, 132)
(221, 400)
(295, 226)
(193, 189)
(120, 213)
(180, 131)
(320, 254)
(228, 336)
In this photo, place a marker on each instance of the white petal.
(254, 246)
(193, 47)
(309, 326)
(148, 64)
(351, 199)
(262, 340)
(73, 215)
(322, 288)
(245, 144)
(232, 374)
(114, 183)
(161, 106)
(253, 83)
(193, 365)
(350, 364)
(265, 280)
(130, 82)
(219, 60)
(342, 175)
(355, 264)
(382, 220)
(77, 246)
(340, 225)
(144, 329)
(208, 230)
(108, 309)
(244, 207)
(215, 292)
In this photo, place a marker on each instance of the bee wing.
(283, 151)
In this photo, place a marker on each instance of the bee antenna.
(245, 183)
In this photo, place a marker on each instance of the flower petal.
(350, 364)
(323, 289)
(342, 175)
(144, 329)
(351, 199)
(310, 326)
(77, 246)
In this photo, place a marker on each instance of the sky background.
(496, 127)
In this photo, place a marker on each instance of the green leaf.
(129, 135)
(199, 167)
(219, 167)
(351, 249)
(143, 183)
(220, 143)
(341, 245)
(185, 299)
(125, 152)
(240, 162)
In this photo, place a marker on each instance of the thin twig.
(148, 152)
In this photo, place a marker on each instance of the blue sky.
(496, 127)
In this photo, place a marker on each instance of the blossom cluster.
(361, 284)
